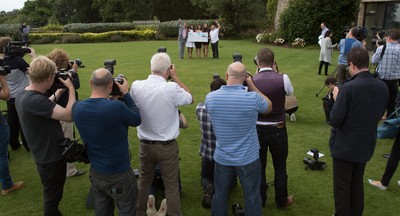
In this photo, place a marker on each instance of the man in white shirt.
(158, 100)
(214, 39)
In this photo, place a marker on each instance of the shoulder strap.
(383, 51)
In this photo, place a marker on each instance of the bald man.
(233, 112)
(103, 126)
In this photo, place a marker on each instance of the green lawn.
(312, 189)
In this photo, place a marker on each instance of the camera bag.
(390, 127)
(75, 152)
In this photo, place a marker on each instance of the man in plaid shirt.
(389, 66)
(207, 147)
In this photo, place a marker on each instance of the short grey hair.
(160, 63)
(101, 78)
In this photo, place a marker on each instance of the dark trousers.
(276, 140)
(207, 172)
(327, 104)
(321, 63)
(392, 86)
(110, 190)
(15, 127)
(348, 188)
(214, 48)
(392, 163)
(52, 176)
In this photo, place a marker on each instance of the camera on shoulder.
(17, 48)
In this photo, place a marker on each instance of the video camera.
(63, 74)
(17, 48)
(109, 65)
(314, 164)
(4, 69)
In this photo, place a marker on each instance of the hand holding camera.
(67, 82)
(172, 72)
(122, 84)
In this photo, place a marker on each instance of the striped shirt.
(207, 146)
(233, 113)
(389, 65)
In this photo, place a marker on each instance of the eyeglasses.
(348, 64)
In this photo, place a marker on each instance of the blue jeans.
(250, 179)
(5, 178)
(120, 189)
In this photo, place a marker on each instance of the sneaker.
(292, 117)
(377, 184)
(207, 199)
(15, 186)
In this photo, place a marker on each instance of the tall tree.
(37, 12)
(234, 11)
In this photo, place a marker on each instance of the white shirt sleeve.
(288, 85)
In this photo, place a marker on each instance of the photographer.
(327, 101)
(103, 126)
(271, 127)
(6, 182)
(17, 80)
(40, 119)
(61, 58)
(388, 59)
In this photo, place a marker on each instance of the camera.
(216, 76)
(16, 48)
(4, 69)
(238, 210)
(115, 88)
(314, 164)
(63, 74)
(378, 35)
(237, 57)
(162, 50)
(109, 65)
(78, 62)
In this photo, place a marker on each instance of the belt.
(156, 142)
(279, 125)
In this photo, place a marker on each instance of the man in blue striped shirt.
(389, 66)
(233, 113)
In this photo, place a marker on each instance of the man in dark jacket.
(359, 106)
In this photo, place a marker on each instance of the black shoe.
(207, 198)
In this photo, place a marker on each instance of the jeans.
(276, 140)
(348, 187)
(120, 189)
(214, 48)
(15, 127)
(392, 162)
(52, 176)
(249, 176)
(166, 155)
(5, 178)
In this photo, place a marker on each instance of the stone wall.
(282, 5)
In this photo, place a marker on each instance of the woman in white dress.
(190, 45)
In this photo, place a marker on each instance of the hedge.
(10, 30)
(97, 27)
(112, 36)
(170, 29)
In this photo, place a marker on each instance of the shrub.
(302, 18)
(267, 38)
(97, 27)
(10, 30)
(279, 41)
(298, 43)
(51, 28)
(112, 36)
